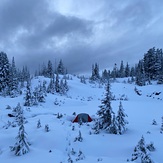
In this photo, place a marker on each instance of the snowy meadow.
(52, 137)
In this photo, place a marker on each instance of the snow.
(55, 145)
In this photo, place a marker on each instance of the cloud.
(79, 32)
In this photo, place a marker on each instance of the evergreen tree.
(83, 80)
(35, 96)
(121, 119)
(114, 73)
(41, 95)
(113, 128)
(127, 70)
(157, 66)
(25, 74)
(18, 111)
(140, 74)
(141, 151)
(61, 87)
(161, 129)
(132, 72)
(105, 76)
(51, 86)
(61, 68)
(95, 72)
(57, 87)
(105, 112)
(122, 70)
(39, 124)
(4, 72)
(65, 85)
(49, 70)
(28, 97)
(47, 128)
(21, 146)
(13, 80)
(149, 63)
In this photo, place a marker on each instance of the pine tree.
(4, 72)
(25, 74)
(121, 119)
(49, 70)
(61, 87)
(105, 112)
(161, 129)
(51, 86)
(13, 80)
(35, 97)
(114, 73)
(41, 96)
(149, 63)
(122, 70)
(39, 124)
(21, 146)
(113, 128)
(140, 74)
(141, 151)
(105, 76)
(95, 72)
(127, 70)
(18, 111)
(28, 97)
(47, 128)
(57, 88)
(61, 68)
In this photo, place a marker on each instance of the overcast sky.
(80, 32)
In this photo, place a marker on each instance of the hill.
(141, 104)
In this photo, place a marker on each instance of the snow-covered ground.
(56, 145)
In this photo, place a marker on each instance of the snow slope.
(56, 145)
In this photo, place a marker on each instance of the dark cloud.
(80, 32)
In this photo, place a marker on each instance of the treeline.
(146, 70)
(149, 68)
(12, 79)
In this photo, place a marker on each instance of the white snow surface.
(55, 145)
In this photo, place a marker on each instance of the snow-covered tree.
(121, 119)
(105, 76)
(4, 72)
(113, 128)
(47, 128)
(105, 113)
(51, 86)
(61, 68)
(17, 112)
(141, 152)
(95, 72)
(49, 72)
(127, 70)
(114, 73)
(57, 87)
(41, 94)
(21, 146)
(13, 80)
(140, 74)
(122, 70)
(28, 96)
(161, 129)
(39, 124)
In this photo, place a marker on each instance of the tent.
(82, 117)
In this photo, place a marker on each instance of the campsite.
(58, 141)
